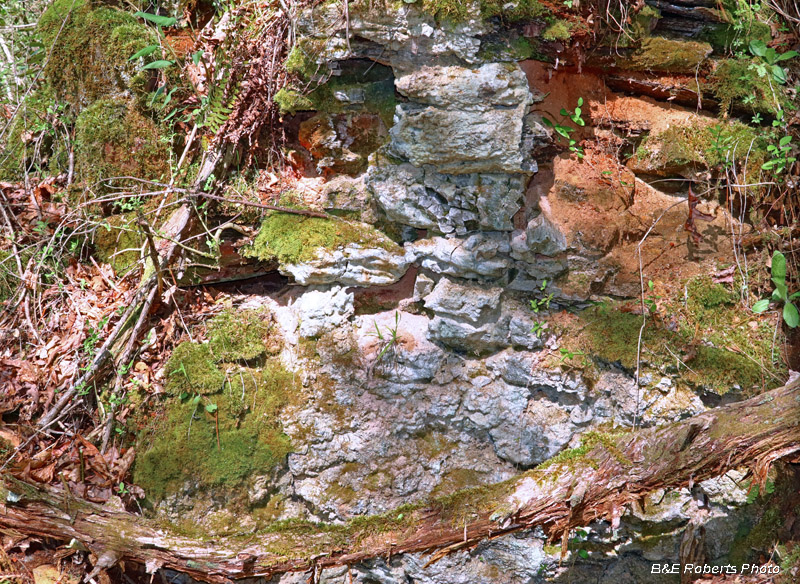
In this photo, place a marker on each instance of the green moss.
(293, 239)
(707, 146)
(191, 369)
(557, 31)
(734, 84)
(183, 444)
(118, 242)
(112, 139)
(703, 294)
(589, 442)
(459, 11)
(611, 336)
(89, 49)
(239, 336)
(291, 101)
(300, 63)
(661, 54)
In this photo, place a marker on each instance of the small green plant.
(781, 156)
(543, 303)
(781, 293)
(564, 131)
(538, 328)
(769, 61)
(388, 341)
(569, 355)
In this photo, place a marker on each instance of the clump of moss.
(662, 54)
(118, 242)
(557, 31)
(459, 11)
(191, 369)
(610, 336)
(704, 146)
(90, 49)
(113, 139)
(224, 447)
(291, 101)
(293, 239)
(734, 84)
(703, 294)
(239, 336)
(299, 63)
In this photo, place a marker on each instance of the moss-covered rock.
(734, 83)
(293, 239)
(219, 440)
(699, 146)
(662, 54)
(609, 335)
(192, 369)
(90, 50)
(458, 10)
(242, 336)
(113, 139)
(118, 242)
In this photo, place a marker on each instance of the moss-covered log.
(594, 481)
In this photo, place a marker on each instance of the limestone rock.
(354, 264)
(489, 86)
(425, 198)
(463, 302)
(481, 255)
(459, 141)
(319, 311)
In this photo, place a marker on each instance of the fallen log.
(596, 481)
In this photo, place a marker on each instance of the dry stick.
(25, 298)
(126, 356)
(644, 313)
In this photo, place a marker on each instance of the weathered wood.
(587, 484)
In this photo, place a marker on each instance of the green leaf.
(160, 64)
(196, 56)
(779, 74)
(583, 553)
(761, 306)
(795, 295)
(157, 19)
(547, 122)
(787, 55)
(211, 408)
(781, 291)
(580, 101)
(778, 266)
(785, 140)
(790, 315)
(148, 50)
(197, 399)
(758, 48)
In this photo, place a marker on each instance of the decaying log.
(596, 481)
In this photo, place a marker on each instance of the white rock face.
(481, 255)
(425, 198)
(319, 311)
(352, 265)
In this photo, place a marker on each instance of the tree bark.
(595, 481)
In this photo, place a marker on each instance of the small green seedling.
(781, 293)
